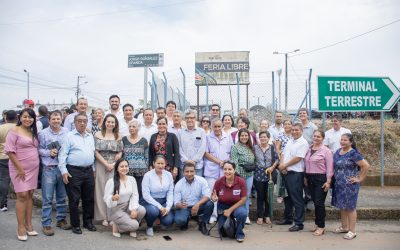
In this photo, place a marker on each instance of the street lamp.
(258, 99)
(78, 89)
(27, 72)
(286, 73)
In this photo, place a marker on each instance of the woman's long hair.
(248, 143)
(32, 114)
(115, 129)
(116, 174)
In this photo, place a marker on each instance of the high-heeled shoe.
(115, 232)
(319, 231)
(23, 237)
(32, 233)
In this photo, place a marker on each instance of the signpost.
(145, 61)
(342, 93)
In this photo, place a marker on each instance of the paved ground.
(372, 234)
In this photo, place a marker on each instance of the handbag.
(248, 167)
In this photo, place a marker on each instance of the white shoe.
(212, 220)
(118, 235)
(105, 223)
(149, 231)
(133, 234)
(248, 222)
(4, 209)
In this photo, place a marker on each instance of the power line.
(36, 83)
(99, 14)
(346, 40)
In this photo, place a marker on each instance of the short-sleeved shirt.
(230, 195)
(295, 148)
(308, 131)
(332, 138)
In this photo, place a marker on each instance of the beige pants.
(120, 215)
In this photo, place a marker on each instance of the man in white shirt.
(192, 143)
(176, 123)
(308, 126)
(277, 127)
(126, 119)
(292, 166)
(333, 135)
(114, 107)
(148, 127)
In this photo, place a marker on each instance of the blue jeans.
(4, 182)
(182, 215)
(152, 213)
(52, 180)
(249, 184)
(239, 214)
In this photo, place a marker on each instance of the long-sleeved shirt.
(76, 150)
(320, 162)
(193, 192)
(192, 145)
(242, 155)
(147, 132)
(308, 131)
(220, 149)
(70, 125)
(127, 193)
(153, 187)
(46, 137)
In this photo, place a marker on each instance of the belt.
(49, 166)
(315, 174)
(80, 167)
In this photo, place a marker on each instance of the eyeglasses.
(215, 109)
(190, 117)
(205, 121)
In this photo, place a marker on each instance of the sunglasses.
(205, 121)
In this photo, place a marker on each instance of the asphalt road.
(371, 235)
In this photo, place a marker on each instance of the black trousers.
(315, 183)
(294, 185)
(139, 180)
(262, 198)
(80, 186)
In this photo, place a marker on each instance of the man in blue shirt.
(75, 161)
(82, 106)
(192, 198)
(50, 140)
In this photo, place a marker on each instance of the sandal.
(319, 231)
(350, 235)
(314, 228)
(259, 221)
(268, 220)
(340, 230)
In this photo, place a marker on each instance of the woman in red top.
(231, 193)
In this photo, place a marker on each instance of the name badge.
(236, 192)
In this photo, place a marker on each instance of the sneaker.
(212, 220)
(63, 224)
(48, 231)
(240, 239)
(247, 222)
(149, 231)
(4, 208)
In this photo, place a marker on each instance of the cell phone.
(167, 238)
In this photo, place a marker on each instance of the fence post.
(238, 94)
(206, 95)
(273, 97)
(184, 89)
(165, 89)
(145, 88)
(309, 92)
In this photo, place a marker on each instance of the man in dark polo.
(76, 163)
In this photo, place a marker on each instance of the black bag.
(249, 167)
(229, 228)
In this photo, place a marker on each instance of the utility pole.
(286, 73)
(27, 72)
(279, 71)
(78, 89)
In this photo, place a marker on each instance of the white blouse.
(128, 192)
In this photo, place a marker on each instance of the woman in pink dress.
(22, 149)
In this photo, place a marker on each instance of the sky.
(57, 41)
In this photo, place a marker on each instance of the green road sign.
(353, 93)
(146, 60)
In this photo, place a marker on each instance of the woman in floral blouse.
(242, 155)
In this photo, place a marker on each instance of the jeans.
(81, 185)
(315, 183)
(294, 185)
(4, 182)
(152, 213)
(249, 185)
(262, 198)
(239, 214)
(182, 215)
(52, 180)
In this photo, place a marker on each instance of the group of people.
(170, 169)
